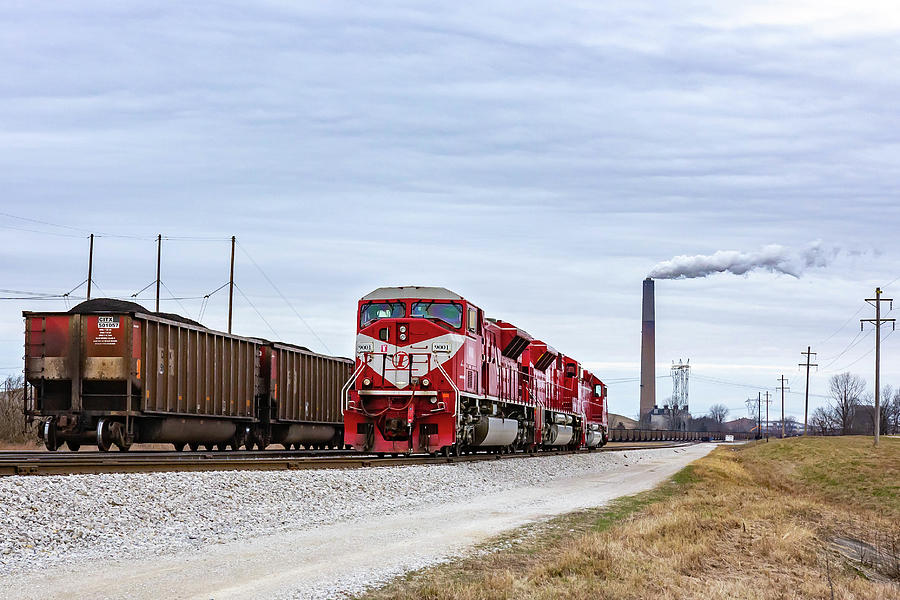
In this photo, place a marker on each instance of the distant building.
(621, 422)
(676, 418)
(742, 425)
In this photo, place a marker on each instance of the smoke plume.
(774, 258)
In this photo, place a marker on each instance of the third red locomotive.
(433, 374)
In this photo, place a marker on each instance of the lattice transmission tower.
(681, 375)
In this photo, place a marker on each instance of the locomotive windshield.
(381, 310)
(449, 313)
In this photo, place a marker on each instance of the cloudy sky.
(538, 158)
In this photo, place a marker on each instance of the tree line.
(851, 410)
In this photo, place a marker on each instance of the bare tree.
(790, 425)
(822, 420)
(890, 410)
(718, 412)
(846, 390)
(12, 418)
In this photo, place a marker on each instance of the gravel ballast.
(48, 521)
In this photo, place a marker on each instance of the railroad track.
(71, 463)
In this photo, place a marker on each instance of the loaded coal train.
(431, 374)
(112, 373)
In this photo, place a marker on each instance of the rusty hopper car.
(112, 373)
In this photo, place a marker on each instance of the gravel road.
(285, 534)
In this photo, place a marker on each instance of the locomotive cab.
(404, 396)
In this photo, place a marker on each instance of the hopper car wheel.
(104, 441)
(73, 446)
(49, 435)
(178, 447)
(194, 446)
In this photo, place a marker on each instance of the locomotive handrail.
(345, 390)
(452, 384)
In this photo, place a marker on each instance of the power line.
(283, 297)
(839, 329)
(272, 329)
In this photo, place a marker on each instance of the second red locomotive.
(434, 375)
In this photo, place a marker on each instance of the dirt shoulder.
(799, 518)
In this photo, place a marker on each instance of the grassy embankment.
(800, 518)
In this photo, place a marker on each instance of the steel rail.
(79, 463)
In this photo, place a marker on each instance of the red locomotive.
(434, 375)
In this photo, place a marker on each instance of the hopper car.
(110, 373)
(433, 374)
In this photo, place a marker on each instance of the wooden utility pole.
(758, 415)
(809, 354)
(877, 321)
(158, 265)
(767, 416)
(231, 285)
(782, 388)
(90, 266)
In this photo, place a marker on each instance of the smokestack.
(648, 350)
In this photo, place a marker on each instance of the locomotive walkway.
(69, 463)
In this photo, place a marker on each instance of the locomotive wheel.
(446, 451)
(194, 446)
(178, 447)
(456, 450)
(73, 446)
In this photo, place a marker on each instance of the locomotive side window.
(373, 311)
(473, 320)
(449, 313)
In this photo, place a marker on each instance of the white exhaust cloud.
(774, 258)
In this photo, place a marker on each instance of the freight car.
(110, 372)
(434, 375)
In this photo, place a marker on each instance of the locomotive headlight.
(403, 329)
(402, 337)
(425, 382)
(367, 382)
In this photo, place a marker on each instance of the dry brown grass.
(759, 521)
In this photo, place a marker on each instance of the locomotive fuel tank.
(559, 435)
(593, 439)
(494, 431)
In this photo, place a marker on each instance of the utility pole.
(782, 388)
(767, 416)
(90, 266)
(808, 364)
(231, 285)
(158, 265)
(877, 321)
(758, 415)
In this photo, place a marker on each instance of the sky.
(539, 159)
